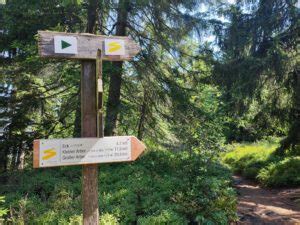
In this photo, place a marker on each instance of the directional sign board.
(85, 46)
(77, 151)
(65, 44)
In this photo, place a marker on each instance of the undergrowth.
(159, 188)
(258, 161)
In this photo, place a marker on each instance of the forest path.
(260, 206)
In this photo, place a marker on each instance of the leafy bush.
(163, 185)
(3, 211)
(257, 161)
(108, 219)
(249, 159)
(44, 196)
(165, 217)
(282, 173)
(159, 188)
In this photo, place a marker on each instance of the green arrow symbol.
(64, 44)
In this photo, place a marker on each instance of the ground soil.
(261, 206)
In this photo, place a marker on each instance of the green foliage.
(165, 217)
(284, 173)
(259, 161)
(161, 187)
(38, 98)
(3, 211)
(108, 219)
(71, 2)
(174, 93)
(161, 183)
(257, 70)
(248, 159)
(43, 197)
(105, 219)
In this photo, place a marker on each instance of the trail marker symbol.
(114, 47)
(48, 154)
(65, 45)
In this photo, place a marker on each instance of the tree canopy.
(180, 91)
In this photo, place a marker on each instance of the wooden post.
(89, 129)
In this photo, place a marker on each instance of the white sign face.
(114, 47)
(72, 151)
(65, 44)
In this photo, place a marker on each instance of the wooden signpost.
(92, 148)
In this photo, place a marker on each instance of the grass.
(247, 159)
(257, 161)
(282, 173)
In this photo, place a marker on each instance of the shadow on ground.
(260, 206)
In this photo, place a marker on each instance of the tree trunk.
(113, 102)
(3, 159)
(297, 110)
(20, 158)
(142, 117)
(92, 16)
(13, 164)
(19, 155)
(77, 125)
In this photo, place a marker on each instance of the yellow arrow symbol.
(114, 46)
(49, 153)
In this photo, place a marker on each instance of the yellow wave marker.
(114, 46)
(49, 153)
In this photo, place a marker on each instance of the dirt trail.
(259, 206)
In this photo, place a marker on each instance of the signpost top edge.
(40, 32)
(91, 138)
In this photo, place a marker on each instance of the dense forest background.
(209, 73)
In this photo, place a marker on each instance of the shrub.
(3, 211)
(282, 173)
(165, 217)
(249, 159)
(108, 219)
(257, 161)
(184, 186)
(161, 187)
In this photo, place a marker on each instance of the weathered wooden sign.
(78, 151)
(85, 46)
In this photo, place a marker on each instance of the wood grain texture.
(88, 45)
(137, 148)
(36, 154)
(89, 129)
